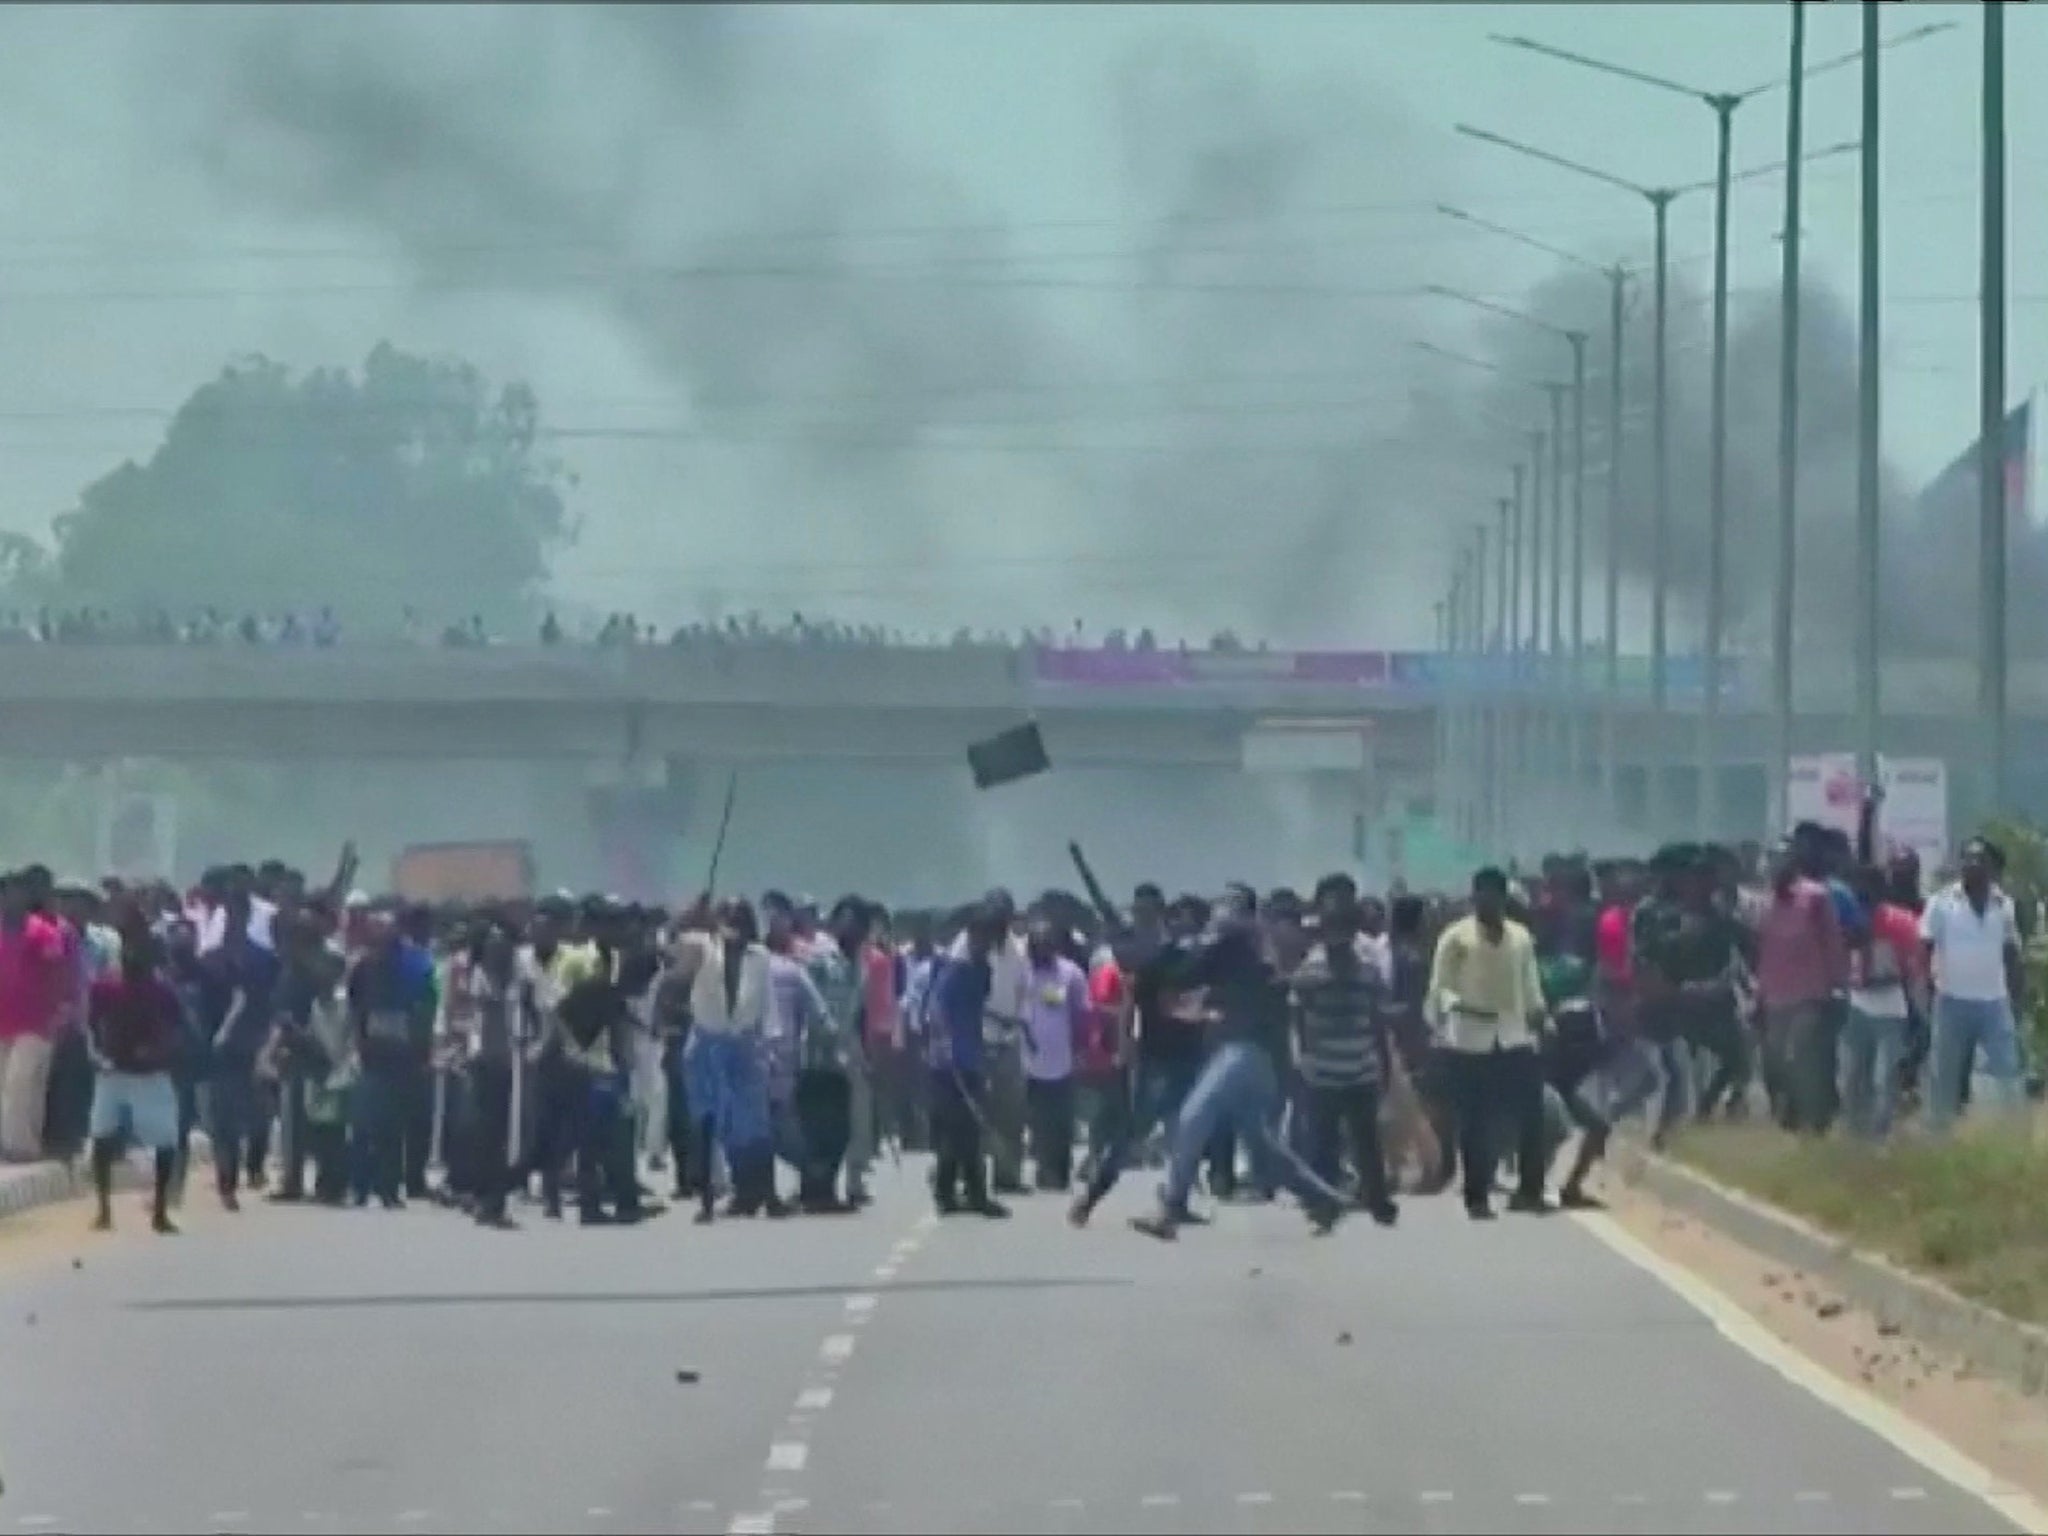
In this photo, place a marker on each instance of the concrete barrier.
(1923, 1309)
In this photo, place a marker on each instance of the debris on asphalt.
(1890, 1330)
(1829, 1309)
(1344, 1338)
(687, 1378)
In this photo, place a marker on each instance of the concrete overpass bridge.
(637, 723)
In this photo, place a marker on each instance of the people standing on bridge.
(1487, 996)
(132, 1022)
(1239, 1086)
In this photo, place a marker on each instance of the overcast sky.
(1012, 367)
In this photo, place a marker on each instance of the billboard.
(1825, 788)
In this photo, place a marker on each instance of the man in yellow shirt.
(1486, 1002)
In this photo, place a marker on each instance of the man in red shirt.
(35, 973)
(132, 1019)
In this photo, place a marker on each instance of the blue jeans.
(1239, 1092)
(1872, 1044)
(1963, 1027)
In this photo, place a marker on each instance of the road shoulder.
(1995, 1437)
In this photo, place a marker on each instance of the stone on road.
(306, 1370)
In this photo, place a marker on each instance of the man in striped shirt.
(1340, 991)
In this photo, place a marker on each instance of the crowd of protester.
(322, 627)
(1344, 1048)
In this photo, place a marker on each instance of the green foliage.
(1966, 1210)
(409, 484)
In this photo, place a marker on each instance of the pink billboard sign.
(1167, 669)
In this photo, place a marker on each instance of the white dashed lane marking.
(1909, 1495)
(837, 1349)
(1252, 1499)
(788, 1456)
(813, 1399)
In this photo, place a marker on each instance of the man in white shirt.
(1972, 940)
(1009, 996)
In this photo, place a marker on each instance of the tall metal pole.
(1504, 644)
(1868, 420)
(1461, 646)
(1441, 608)
(1512, 701)
(1578, 738)
(1536, 542)
(1788, 441)
(1991, 445)
(1536, 681)
(1554, 697)
(1610, 772)
(1709, 806)
(1482, 722)
(1660, 532)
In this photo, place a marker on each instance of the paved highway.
(307, 1371)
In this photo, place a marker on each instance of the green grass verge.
(1971, 1212)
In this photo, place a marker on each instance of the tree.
(411, 485)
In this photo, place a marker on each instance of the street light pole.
(1482, 722)
(1502, 673)
(1442, 711)
(1785, 587)
(1709, 803)
(1991, 446)
(1512, 703)
(1575, 720)
(1868, 418)
(1723, 105)
(1660, 514)
(1610, 768)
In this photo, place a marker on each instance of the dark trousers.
(416, 1125)
(1101, 1107)
(1353, 1110)
(1161, 1090)
(1712, 1025)
(959, 1176)
(294, 1144)
(556, 1118)
(377, 1135)
(327, 1146)
(1488, 1087)
(1049, 1111)
(824, 1112)
(486, 1165)
(234, 1106)
(1803, 1041)
(603, 1138)
(683, 1151)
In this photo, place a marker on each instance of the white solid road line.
(1911, 1440)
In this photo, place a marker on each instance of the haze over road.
(299, 1370)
